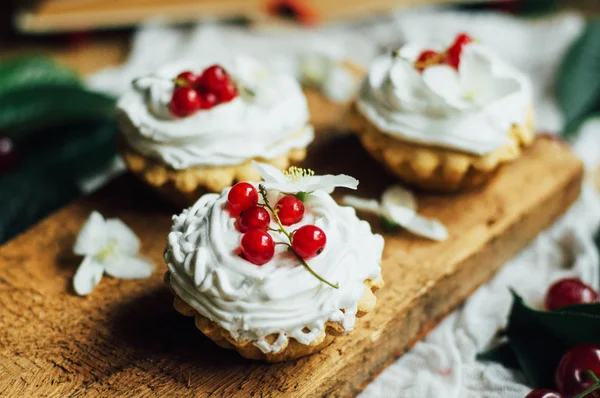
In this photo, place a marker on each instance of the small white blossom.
(302, 180)
(108, 246)
(399, 206)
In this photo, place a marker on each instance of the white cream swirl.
(266, 125)
(471, 109)
(279, 297)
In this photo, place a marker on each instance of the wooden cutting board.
(126, 340)
(51, 16)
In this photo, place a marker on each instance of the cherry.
(455, 50)
(257, 246)
(567, 292)
(254, 217)
(184, 102)
(227, 92)
(214, 78)
(572, 375)
(208, 100)
(308, 241)
(9, 156)
(426, 58)
(186, 79)
(241, 196)
(544, 393)
(290, 209)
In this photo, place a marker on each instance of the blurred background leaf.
(578, 81)
(537, 340)
(62, 131)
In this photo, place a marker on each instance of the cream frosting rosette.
(279, 297)
(268, 119)
(471, 109)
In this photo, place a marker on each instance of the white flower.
(108, 246)
(399, 206)
(481, 81)
(477, 82)
(302, 180)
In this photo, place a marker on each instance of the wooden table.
(126, 340)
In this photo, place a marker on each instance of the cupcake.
(444, 119)
(196, 126)
(274, 270)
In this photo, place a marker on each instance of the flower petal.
(399, 214)
(399, 196)
(92, 236)
(427, 227)
(88, 275)
(327, 183)
(130, 267)
(362, 204)
(125, 239)
(269, 173)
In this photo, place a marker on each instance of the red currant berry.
(186, 79)
(426, 58)
(567, 292)
(9, 156)
(241, 196)
(184, 102)
(254, 217)
(214, 78)
(227, 92)
(290, 210)
(208, 100)
(455, 50)
(543, 394)
(308, 241)
(572, 374)
(257, 246)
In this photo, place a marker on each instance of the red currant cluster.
(193, 92)
(580, 366)
(450, 57)
(576, 374)
(253, 221)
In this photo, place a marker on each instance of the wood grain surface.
(126, 340)
(68, 15)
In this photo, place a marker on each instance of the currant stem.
(593, 388)
(263, 193)
(309, 269)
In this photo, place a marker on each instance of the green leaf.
(539, 339)
(27, 197)
(502, 354)
(25, 111)
(24, 72)
(578, 82)
(46, 178)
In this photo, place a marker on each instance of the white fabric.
(443, 365)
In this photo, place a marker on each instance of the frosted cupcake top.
(266, 116)
(215, 270)
(464, 98)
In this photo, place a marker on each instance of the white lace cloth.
(443, 365)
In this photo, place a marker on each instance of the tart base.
(184, 187)
(440, 169)
(293, 349)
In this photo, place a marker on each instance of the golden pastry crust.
(184, 187)
(293, 349)
(440, 169)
